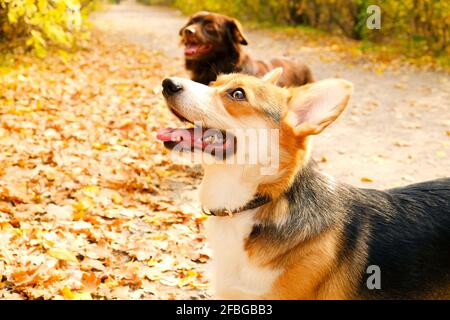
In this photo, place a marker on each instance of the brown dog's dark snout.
(171, 87)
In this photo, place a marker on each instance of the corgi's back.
(409, 239)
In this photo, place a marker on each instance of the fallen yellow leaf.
(81, 207)
(366, 179)
(62, 254)
(197, 285)
(99, 146)
(152, 262)
(70, 295)
(440, 154)
(91, 190)
(117, 198)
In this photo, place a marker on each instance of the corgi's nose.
(171, 87)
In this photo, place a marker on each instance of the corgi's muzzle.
(214, 141)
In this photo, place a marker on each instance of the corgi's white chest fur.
(234, 276)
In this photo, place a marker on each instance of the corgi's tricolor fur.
(315, 238)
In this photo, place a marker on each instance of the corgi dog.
(295, 233)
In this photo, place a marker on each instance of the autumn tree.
(38, 24)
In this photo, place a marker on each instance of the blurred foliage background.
(417, 27)
(37, 25)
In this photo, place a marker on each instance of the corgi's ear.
(273, 76)
(313, 107)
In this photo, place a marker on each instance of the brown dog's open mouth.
(197, 49)
(216, 142)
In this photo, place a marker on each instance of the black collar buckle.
(257, 201)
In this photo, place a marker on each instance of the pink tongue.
(191, 49)
(165, 134)
(168, 134)
(186, 136)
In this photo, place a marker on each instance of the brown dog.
(213, 46)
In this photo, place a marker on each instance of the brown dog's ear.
(314, 107)
(236, 32)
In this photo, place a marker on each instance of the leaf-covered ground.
(88, 198)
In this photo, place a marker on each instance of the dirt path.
(394, 132)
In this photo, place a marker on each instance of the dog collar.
(257, 201)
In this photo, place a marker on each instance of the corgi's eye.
(238, 94)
